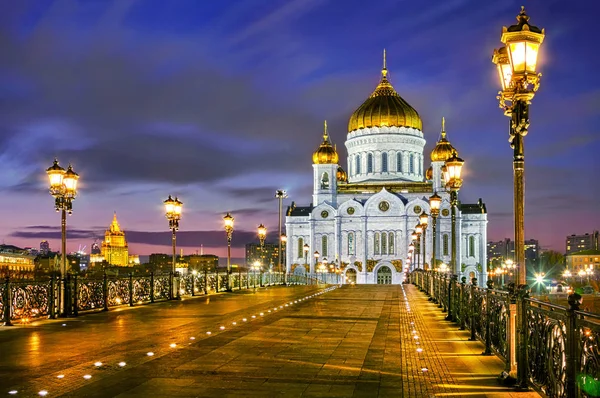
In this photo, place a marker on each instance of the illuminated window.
(445, 244)
(471, 246)
(351, 243)
(300, 247)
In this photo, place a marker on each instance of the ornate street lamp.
(283, 240)
(419, 232)
(228, 219)
(63, 187)
(306, 249)
(435, 202)
(316, 256)
(519, 80)
(424, 220)
(262, 234)
(173, 214)
(452, 176)
(280, 194)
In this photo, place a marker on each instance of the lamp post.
(283, 240)
(280, 194)
(228, 219)
(316, 255)
(509, 268)
(435, 202)
(452, 176)
(411, 251)
(262, 234)
(419, 232)
(63, 187)
(306, 249)
(256, 267)
(516, 62)
(173, 214)
(424, 220)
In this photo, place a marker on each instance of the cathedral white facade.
(361, 222)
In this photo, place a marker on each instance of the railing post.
(105, 291)
(462, 305)
(247, 280)
(152, 287)
(51, 298)
(131, 289)
(572, 345)
(7, 302)
(522, 365)
(205, 281)
(451, 287)
(486, 318)
(217, 278)
(75, 296)
(473, 309)
(193, 284)
(68, 295)
(171, 282)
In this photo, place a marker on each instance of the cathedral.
(361, 221)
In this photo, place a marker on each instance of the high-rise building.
(500, 251)
(115, 250)
(577, 243)
(267, 257)
(44, 247)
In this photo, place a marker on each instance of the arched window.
(377, 251)
(300, 247)
(391, 247)
(357, 169)
(445, 244)
(351, 243)
(324, 246)
(420, 164)
(383, 243)
(399, 162)
(411, 164)
(369, 163)
(471, 246)
(384, 162)
(325, 181)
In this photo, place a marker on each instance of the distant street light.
(228, 219)
(173, 214)
(280, 194)
(63, 187)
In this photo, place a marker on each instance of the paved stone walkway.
(354, 341)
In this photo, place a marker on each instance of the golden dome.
(342, 176)
(325, 154)
(384, 108)
(443, 150)
(429, 173)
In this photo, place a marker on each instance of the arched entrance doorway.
(384, 275)
(351, 275)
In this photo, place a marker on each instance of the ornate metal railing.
(562, 344)
(28, 300)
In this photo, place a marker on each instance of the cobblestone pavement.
(302, 341)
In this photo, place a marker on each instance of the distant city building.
(200, 262)
(115, 250)
(584, 259)
(15, 261)
(269, 256)
(95, 248)
(577, 243)
(500, 251)
(44, 247)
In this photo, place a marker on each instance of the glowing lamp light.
(500, 58)
(419, 229)
(435, 201)
(228, 219)
(70, 181)
(262, 231)
(424, 219)
(55, 175)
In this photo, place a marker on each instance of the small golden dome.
(326, 153)
(429, 173)
(342, 176)
(384, 108)
(443, 150)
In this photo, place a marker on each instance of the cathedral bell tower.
(325, 168)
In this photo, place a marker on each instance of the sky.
(222, 102)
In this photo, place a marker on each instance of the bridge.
(312, 340)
